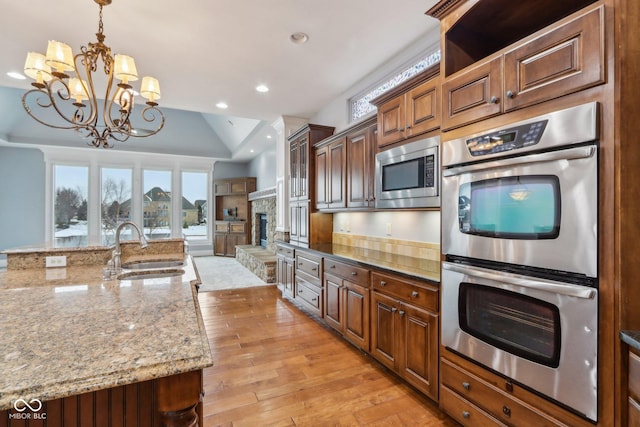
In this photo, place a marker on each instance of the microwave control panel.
(429, 171)
(507, 139)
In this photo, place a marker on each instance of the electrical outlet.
(56, 261)
(388, 229)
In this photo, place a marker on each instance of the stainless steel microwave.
(408, 176)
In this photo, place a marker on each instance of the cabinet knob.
(354, 273)
(510, 94)
(401, 313)
(400, 129)
(332, 266)
(393, 310)
(414, 294)
(383, 283)
(466, 386)
(466, 414)
(407, 127)
(506, 411)
(493, 100)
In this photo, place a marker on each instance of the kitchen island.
(75, 344)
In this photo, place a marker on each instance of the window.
(359, 105)
(194, 205)
(156, 202)
(70, 205)
(115, 201)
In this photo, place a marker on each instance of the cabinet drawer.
(463, 411)
(407, 290)
(222, 227)
(634, 375)
(346, 271)
(286, 251)
(237, 227)
(309, 264)
(634, 413)
(504, 407)
(309, 293)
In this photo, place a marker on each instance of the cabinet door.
(333, 311)
(472, 95)
(280, 272)
(232, 241)
(337, 174)
(356, 314)
(303, 222)
(294, 169)
(419, 362)
(384, 329)
(294, 218)
(360, 169)
(568, 59)
(423, 108)
(289, 279)
(322, 181)
(303, 171)
(391, 121)
(220, 244)
(222, 188)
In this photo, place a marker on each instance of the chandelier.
(74, 100)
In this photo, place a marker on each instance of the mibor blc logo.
(28, 410)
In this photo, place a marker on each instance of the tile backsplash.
(423, 250)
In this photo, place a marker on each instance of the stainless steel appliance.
(408, 176)
(542, 334)
(520, 238)
(525, 194)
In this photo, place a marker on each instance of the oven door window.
(519, 207)
(516, 323)
(403, 175)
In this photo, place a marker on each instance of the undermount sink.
(150, 274)
(146, 265)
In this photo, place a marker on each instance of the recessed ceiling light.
(268, 136)
(16, 75)
(299, 38)
(222, 105)
(262, 88)
(251, 151)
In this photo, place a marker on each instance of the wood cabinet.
(411, 109)
(346, 303)
(306, 226)
(633, 400)
(405, 329)
(345, 167)
(285, 257)
(308, 281)
(559, 60)
(233, 214)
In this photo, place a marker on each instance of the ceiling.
(208, 51)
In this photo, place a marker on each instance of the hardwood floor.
(275, 366)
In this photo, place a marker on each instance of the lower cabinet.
(347, 310)
(633, 402)
(225, 244)
(308, 283)
(285, 257)
(404, 329)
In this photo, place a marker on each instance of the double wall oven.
(520, 238)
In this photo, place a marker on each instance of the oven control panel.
(507, 139)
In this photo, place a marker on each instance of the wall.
(22, 177)
(419, 226)
(263, 167)
(223, 170)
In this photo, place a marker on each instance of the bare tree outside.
(115, 206)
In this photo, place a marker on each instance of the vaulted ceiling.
(205, 52)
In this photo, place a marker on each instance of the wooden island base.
(174, 401)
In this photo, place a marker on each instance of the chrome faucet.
(115, 264)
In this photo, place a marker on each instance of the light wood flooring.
(275, 366)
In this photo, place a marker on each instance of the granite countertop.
(632, 338)
(66, 331)
(410, 266)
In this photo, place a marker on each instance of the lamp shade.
(36, 67)
(59, 56)
(150, 88)
(78, 89)
(125, 68)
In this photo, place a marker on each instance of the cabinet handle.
(407, 127)
(510, 94)
(466, 414)
(299, 291)
(393, 310)
(414, 294)
(300, 264)
(466, 386)
(400, 129)
(314, 269)
(401, 313)
(383, 283)
(506, 411)
(332, 266)
(493, 100)
(314, 299)
(354, 273)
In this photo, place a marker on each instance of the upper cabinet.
(300, 165)
(234, 186)
(344, 168)
(411, 109)
(559, 59)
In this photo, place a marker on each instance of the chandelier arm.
(51, 104)
(150, 114)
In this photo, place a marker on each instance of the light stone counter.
(66, 331)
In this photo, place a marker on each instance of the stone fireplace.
(260, 255)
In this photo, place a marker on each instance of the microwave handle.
(568, 154)
(525, 282)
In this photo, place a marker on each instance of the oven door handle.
(568, 154)
(525, 282)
